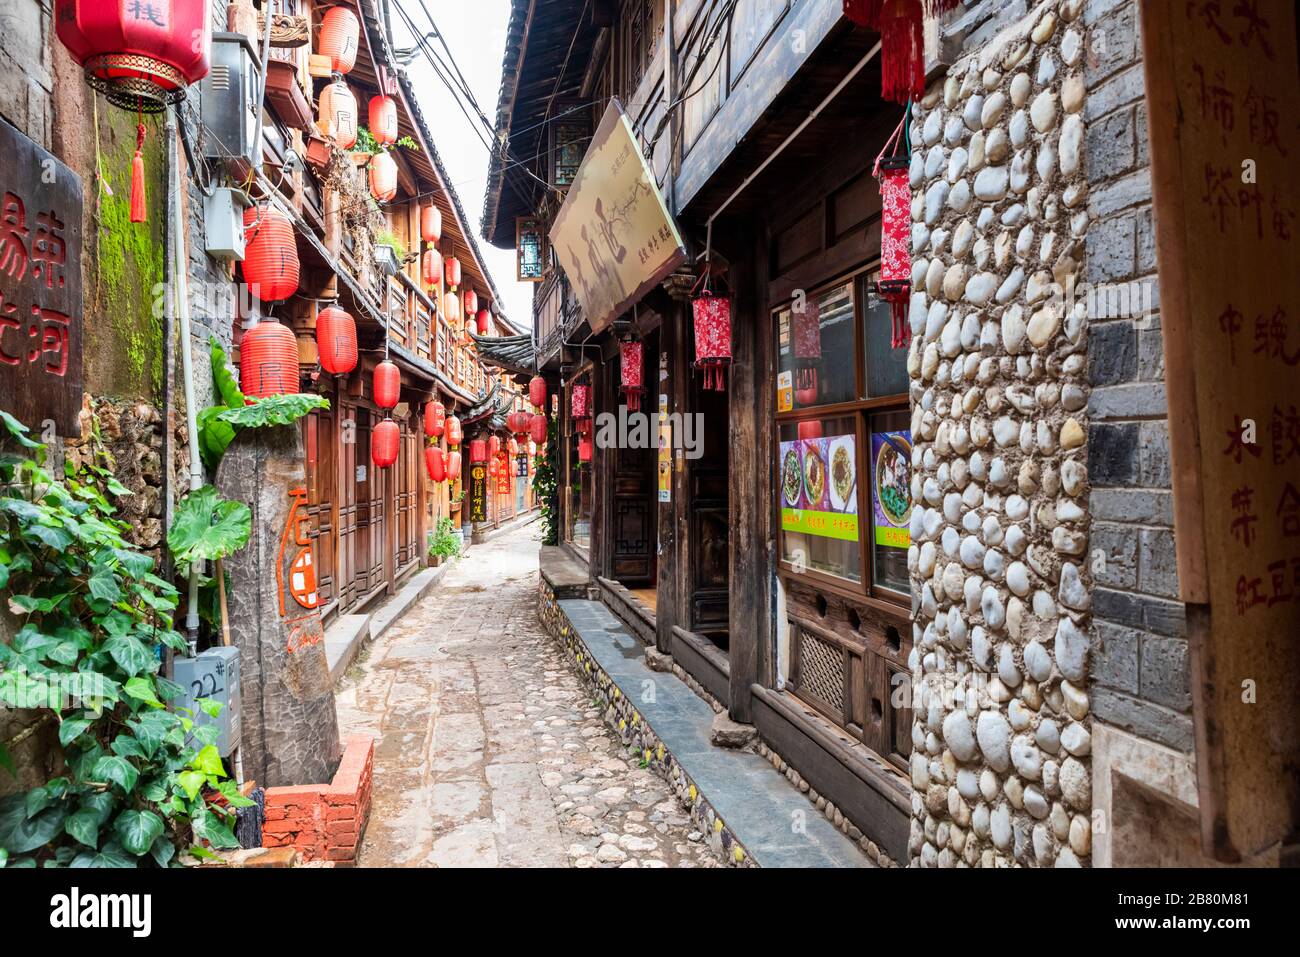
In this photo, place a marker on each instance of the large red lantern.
(383, 176)
(383, 119)
(481, 321)
(141, 56)
(810, 429)
(537, 428)
(435, 463)
(453, 430)
(712, 338)
(471, 301)
(537, 392)
(630, 355)
(388, 384)
(580, 407)
(451, 271)
(336, 340)
(339, 106)
(895, 241)
(432, 267)
(384, 442)
(430, 224)
(270, 263)
(518, 422)
(435, 419)
(494, 445)
(340, 34)
(806, 345)
(451, 309)
(268, 360)
(478, 451)
(584, 449)
(453, 466)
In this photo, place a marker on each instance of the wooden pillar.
(673, 587)
(751, 417)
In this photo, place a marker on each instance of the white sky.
(475, 30)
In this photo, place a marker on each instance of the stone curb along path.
(490, 751)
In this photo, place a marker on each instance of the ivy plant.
(137, 782)
(544, 486)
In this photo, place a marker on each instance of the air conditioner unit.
(228, 100)
(212, 674)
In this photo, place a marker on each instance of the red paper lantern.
(537, 392)
(451, 308)
(518, 422)
(470, 298)
(807, 396)
(537, 428)
(431, 224)
(340, 33)
(388, 384)
(478, 451)
(494, 446)
(141, 63)
(435, 463)
(384, 442)
(580, 407)
(270, 263)
(810, 429)
(492, 469)
(383, 176)
(481, 321)
(584, 449)
(453, 430)
(895, 244)
(432, 267)
(339, 106)
(806, 344)
(383, 119)
(435, 418)
(451, 272)
(336, 340)
(268, 360)
(513, 446)
(712, 338)
(630, 357)
(453, 466)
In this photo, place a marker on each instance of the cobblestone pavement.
(489, 750)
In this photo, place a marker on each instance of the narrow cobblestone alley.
(489, 751)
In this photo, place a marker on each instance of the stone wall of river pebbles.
(1000, 765)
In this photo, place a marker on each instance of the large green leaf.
(103, 584)
(274, 410)
(137, 830)
(19, 833)
(83, 827)
(113, 855)
(215, 436)
(130, 653)
(208, 527)
(223, 379)
(17, 430)
(117, 771)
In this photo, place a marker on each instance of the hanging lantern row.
(630, 375)
(580, 407)
(383, 119)
(338, 104)
(712, 338)
(537, 428)
(268, 360)
(430, 223)
(383, 176)
(270, 263)
(336, 340)
(387, 385)
(384, 442)
(340, 36)
(435, 419)
(537, 392)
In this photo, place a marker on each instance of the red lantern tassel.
(138, 212)
(902, 45)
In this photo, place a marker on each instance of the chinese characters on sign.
(40, 286)
(478, 492)
(613, 237)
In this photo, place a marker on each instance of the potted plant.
(390, 252)
(446, 544)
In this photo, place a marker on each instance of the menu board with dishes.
(819, 493)
(891, 492)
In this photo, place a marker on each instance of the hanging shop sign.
(614, 237)
(1222, 98)
(504, 484)
(41, 323)
(521, 465)
(478, 492)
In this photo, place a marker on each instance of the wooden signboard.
(613, 236)
(40, 287)
(478, 492)
(1222, 108)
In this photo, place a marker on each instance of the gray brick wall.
(1140, 674)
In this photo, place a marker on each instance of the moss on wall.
(124, 328)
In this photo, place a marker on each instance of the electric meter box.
(228, 101)
(223, 223)
(212, 674)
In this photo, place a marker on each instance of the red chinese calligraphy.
(13, 237)
(1243, 525)
(1237, 443)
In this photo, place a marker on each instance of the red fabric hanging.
(902, 41)
(806, 344)
(712, 338)
(895, 240)
(630, 375)
(139, 214)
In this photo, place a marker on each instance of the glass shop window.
(820, 496)
(816, 349)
